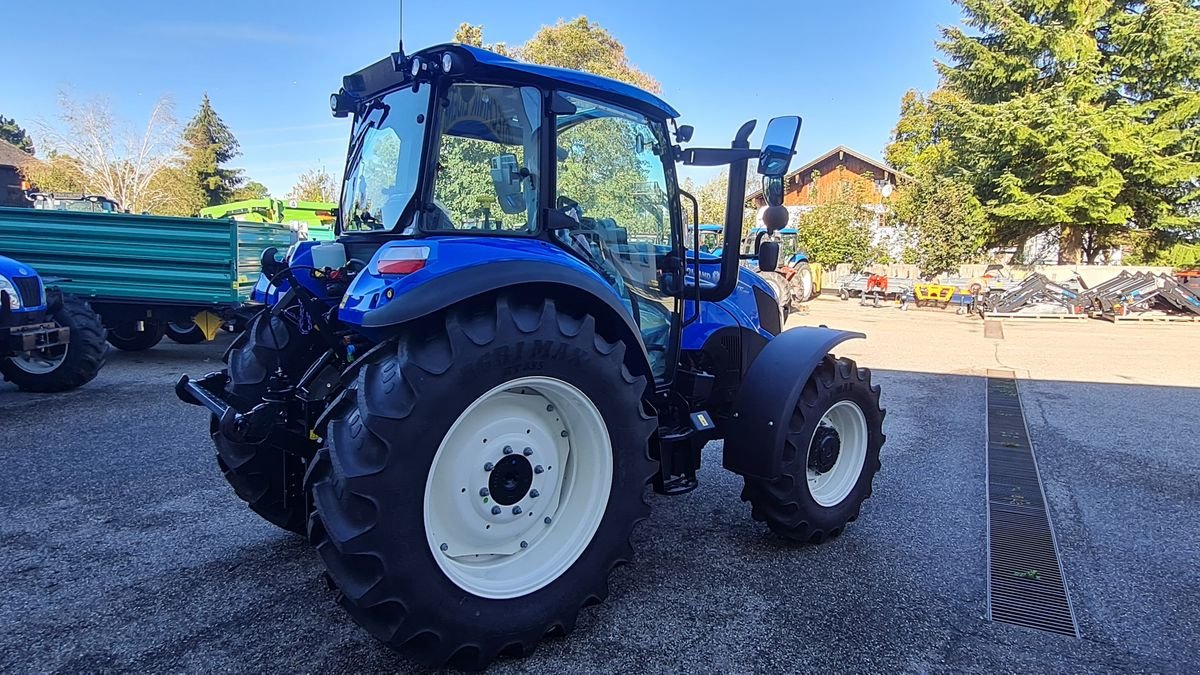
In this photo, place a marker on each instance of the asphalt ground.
(124, 550)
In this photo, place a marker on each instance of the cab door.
(614, 176)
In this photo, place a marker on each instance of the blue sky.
(269, 66)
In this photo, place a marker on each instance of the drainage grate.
(992, 328)
(1025, 578)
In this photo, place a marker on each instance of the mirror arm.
(695, 258)
(735, 199)
(715, 156)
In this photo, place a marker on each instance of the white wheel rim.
(555, 431)
(41, 361)
(806, 283)
(829, 487)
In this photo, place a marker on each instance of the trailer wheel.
(185, 333)
(830, 459)
(267, 475)
(482, 478)
(126, 337)
(66, 367)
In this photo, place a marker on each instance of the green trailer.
(147, 276)
(311, 220)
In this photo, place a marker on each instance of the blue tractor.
(49, 341)
(462, 399)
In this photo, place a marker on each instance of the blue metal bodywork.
(371, 291)
(13, 270)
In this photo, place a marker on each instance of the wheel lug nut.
(483, 492)
(495, 510)
(563, 433)
(527, 451)
(516, 510)
(508, 450)
(489, 466)
(550, 408)
(534, 493)
(547, 520)
(444, 547)
(538, 469)
(524, 544)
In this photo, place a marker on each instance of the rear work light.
(402, 259)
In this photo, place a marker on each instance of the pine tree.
(1081, 116)
(209, 144)
(13, 133)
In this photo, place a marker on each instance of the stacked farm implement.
(875, 290)
(1141, 296)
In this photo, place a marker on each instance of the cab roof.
(383, 75)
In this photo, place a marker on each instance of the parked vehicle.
(146, 276)
(310, 220)
(795, 268)
(49, 342)
(473, 385)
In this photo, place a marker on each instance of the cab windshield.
(385, 158)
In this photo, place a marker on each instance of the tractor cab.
(73, 201)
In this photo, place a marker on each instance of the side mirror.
(684, 133)
(779, 144)
(507, 180)
(768, 256)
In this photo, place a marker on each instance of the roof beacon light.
(402, 259)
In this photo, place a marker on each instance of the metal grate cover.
(1025, 578)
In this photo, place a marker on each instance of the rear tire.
(186, 333)
(824, 480)
(803, 287)
(781, 289)
(127, 338)
(73, 367)
(268, 475)
(390, 442)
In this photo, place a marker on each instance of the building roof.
(843, 149)
(11, 155)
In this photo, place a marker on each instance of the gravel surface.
(123, 548)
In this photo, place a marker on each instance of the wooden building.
(12, 159)
(819, 180)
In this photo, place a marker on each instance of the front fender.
(768, 395)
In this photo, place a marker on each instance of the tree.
(251, 190)
(942, 222)
(1076, 116)
(208, 145)
(711, 196)
(314, 185)
(92, 151)
(578, 44)
(13, 133)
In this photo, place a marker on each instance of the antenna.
(400, 25)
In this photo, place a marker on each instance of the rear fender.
(768, 395)
(462, 268)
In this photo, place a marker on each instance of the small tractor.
(49, 342)
(463, 419)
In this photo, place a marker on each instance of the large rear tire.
(65, 367)
(482, 478)
(830, 459)
(783, 292)
(128, 338)
(803, 287)
(267, 475)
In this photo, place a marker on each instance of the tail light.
(402, 259)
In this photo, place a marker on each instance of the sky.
(269, 65)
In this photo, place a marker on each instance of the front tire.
(427, 514)
(66, 367)
(830, 459)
